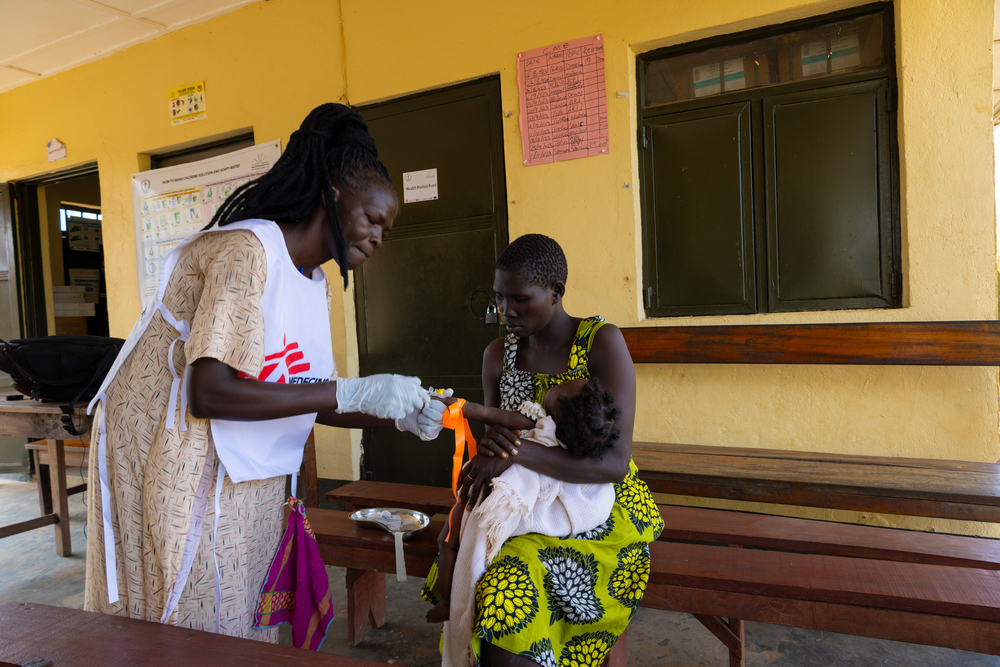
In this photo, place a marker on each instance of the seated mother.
(549, 600)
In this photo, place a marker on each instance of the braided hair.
(333, 142)
(537, 258)
(588, 421)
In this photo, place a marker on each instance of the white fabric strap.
(400, 559)
(295, 480)
(198, 510)
(110, 564)
(215, 537)
(176, 385)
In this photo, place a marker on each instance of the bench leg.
(616, 656)
(42, 484)
(365, 602)
(729, 633)
(60, 502)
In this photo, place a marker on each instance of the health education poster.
(171, 204)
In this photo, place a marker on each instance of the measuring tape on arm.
(454, 419)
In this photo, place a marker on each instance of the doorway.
(60, 254)
(422, 299)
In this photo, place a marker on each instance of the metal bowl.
(411, 523)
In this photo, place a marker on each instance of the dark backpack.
(59, 368)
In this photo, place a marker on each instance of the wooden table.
(86, 639)
(34, 419)
(916, 487)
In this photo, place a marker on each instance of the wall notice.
(706, 80)
(171, 204)
(564, 113)
(84, 235)
(187, 103)
(420, 186)
(814, 58)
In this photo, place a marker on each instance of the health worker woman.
(210, 402)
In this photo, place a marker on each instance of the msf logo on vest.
(285, 367)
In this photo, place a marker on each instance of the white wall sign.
(171, 204)
(55, 149)
(706, 80)
(420, 186)
(84, 235)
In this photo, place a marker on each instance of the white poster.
(733, 76)
(706, 80)
(171, 204)
(420, 186)
(84, 235)
(845, 52)
(813, 58)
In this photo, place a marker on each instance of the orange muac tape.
(455, 420)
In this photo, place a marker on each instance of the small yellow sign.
(187, 103)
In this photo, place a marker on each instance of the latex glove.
(426, 423)
(384, 396)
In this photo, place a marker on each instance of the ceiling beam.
(22, 70)
(124, 14)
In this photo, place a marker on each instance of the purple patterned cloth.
(297, 590)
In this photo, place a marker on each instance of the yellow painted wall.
(394, 48)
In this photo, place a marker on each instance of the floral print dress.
(564, 601)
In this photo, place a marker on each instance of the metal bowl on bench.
(409, 522)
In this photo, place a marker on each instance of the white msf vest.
(297, 350)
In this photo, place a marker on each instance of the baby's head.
(585, 415)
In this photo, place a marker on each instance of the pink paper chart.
(564, 107)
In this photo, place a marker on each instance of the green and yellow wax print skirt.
(564, 601)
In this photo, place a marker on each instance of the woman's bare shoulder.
(609, 344)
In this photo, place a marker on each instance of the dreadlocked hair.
(537, 258)
(588, 421)
(333, 142)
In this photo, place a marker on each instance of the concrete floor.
(32, 572)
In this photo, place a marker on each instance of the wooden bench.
(859, 571)
(740, 584)
(58, 636)
(921, 588)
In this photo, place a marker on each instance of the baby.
(582, 419)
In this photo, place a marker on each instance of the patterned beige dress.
(154, 474)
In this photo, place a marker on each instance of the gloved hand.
(426, 423)
(384, 396)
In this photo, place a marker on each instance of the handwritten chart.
(564, 108)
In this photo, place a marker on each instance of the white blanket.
(522, 502)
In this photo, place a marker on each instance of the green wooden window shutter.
(700, 239)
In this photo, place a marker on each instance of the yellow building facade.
(266, 65)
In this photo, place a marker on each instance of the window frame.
(766, 288)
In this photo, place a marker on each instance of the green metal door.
(421, 299)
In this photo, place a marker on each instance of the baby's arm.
(480, 413)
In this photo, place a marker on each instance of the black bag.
(60, 368)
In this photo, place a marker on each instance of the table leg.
(42, 484)
(60, 500)
(365, 602)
